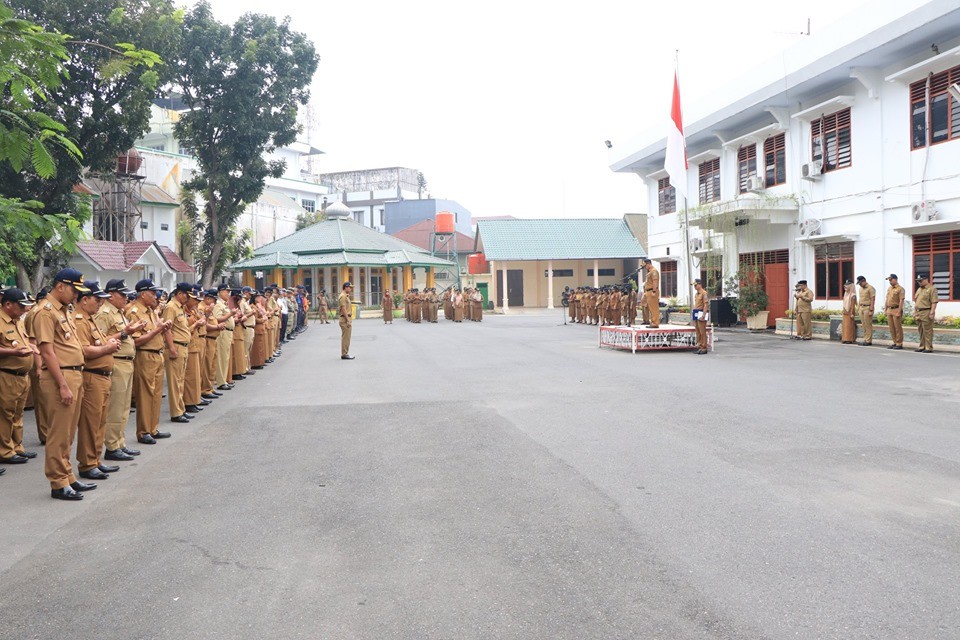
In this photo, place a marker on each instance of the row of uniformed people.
(608, 305)
(89, 352)
(424, 306)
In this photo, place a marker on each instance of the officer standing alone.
(868, 299)
(345, 313)
(925, 310)
(893, 308)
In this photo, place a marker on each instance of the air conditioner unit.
(810, 227)
(924, 211)
(812, 170)
(696, 244)
(755, 183)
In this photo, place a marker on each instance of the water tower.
(117, 213)
(443, 242)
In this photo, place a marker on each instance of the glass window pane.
(954, 118)
(940, 278)
(847, 270)
(939, 117)
(833, 281)
(821, 278)
(918, 124)
(955, 289)
(844, 150)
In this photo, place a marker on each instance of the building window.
(834, 266)
(832, 134)
(603, 272)
(381, 217)
(309, 205)
(666, 196)
(561, 273)
(775, 160)
(668, 279)
(944, 110)
(939, 255)
(144, 225)
(746, 165)
(710, 181)
(164, 226)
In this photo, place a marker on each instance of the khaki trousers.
(238, 358)
(224, 342)
(866, 320)
(176, 370)
(39, 406)
(148, 391)
(895, 323)
(208, 368)
(191, 379)
(118, 408)
(61, 428)
(248, 335)
(653, 308)
(346, 330)
(701, 326)
(91, 426)
(925, 328)
(13, 398)
(804, 328)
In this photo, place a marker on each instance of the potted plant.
(749, 298)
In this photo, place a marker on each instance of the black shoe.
(160, 435)
(899, 347)
(117, 454)
(147, 439)
(2, 471)
(66, 493)
(204, 402)
(928, 350)
(915, 350)
(192, 408)
(239, 376)
(865, 344)
(130, 452)
(82, 486)
(179, 419)
(14, 459)
(701, 352)
(108, 469)
(210, 397)
(893, 346)
(251, 372)
(94, 474)
(347, 357)
(27, 454)
(189, 416)
(224, 387)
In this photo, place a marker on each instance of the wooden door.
(514, 287)
(776, 279)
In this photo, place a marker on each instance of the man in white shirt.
(284, 314)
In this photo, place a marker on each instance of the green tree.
(421, 184)
(310, 218)
(243, 85)
(107, 82)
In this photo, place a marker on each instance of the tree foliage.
(107, 80)
(243, 85)
(310, 218)
(195, 239)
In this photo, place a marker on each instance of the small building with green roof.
(329, 253)
(534, 259)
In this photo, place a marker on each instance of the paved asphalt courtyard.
(511, 480)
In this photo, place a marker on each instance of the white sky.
(505, 106)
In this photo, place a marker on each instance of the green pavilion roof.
(557, 239)
(339, 242)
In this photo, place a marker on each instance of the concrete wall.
(404, 213)
(535, 289)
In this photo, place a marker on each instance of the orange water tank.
(444, 222)
(477, 263)
(129, 162)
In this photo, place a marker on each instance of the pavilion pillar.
(596, 274)
(430, 278)
(493, 283)
(368, 280)
(356, 284)
(344, 277)
(385, 283)
(314, 289)
(407, 278)
(503, 283)
(549, 284)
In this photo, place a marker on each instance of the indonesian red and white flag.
(675, 163)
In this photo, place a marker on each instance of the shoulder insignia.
(79, 316)
(48, 306)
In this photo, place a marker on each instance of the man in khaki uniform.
(192, 402)
(176, 355)
(111, 322)
(16, 362)
(98, 352)
(925, 311)
(803, 298)
(700, 309)
(148, 365)
(893, 307)
(345, 313)
(62, 382)
(249, 322)
(868, 300)
(39, 407)
(210, 353)
(651, 294)
(223, 315)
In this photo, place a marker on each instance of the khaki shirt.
(895, 297)
(221, 309)
(91, 336)
(30, 317)
(13, 335)
(139, 311)
(868, 297)
(54, 324)
(803, 302)
(245, 308)
(652, 282)
(702, 301)
(110, 321)
(345, 307)
(198, 333)
(925, 297)
(175, 313)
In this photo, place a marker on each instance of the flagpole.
(686, 216)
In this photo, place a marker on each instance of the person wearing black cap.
(700, 309)
(208, 367)
(175, 358)
(192, 400)
(98, 351)
(249, 322)
(148, 365)
(925, 311)
(61, 381)
(39, 407)
(223, 316)
(867, 301)
(324, 307)
(16, 362)
(111, 322)
(345, 312)
(893, 308)
(651, 293)
(803, 305)
(238, 357)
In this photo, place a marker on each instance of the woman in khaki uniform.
(238, 358)
(848, 331)
(387, 307)
(258, 355)
(191, 381)
(457, 306)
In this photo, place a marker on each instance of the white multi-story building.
(839, 158)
